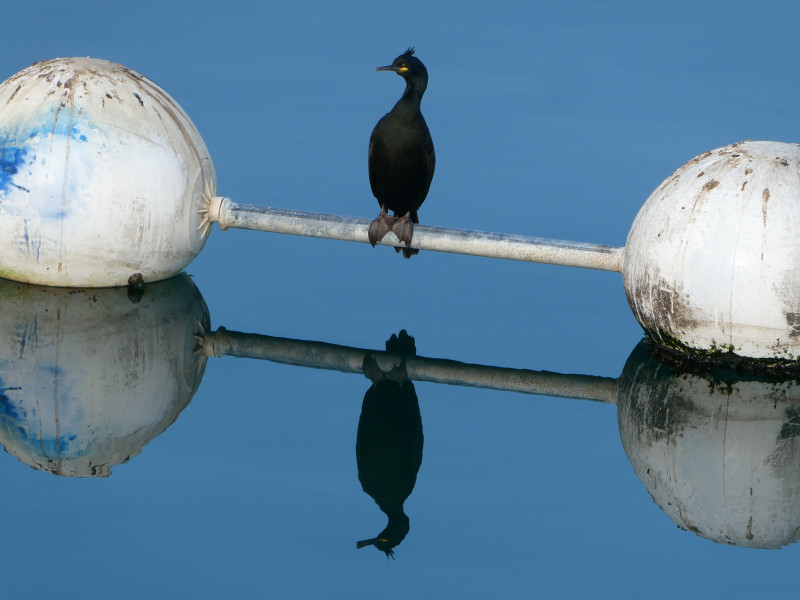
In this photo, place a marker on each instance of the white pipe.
(320, 355)
(354, 229)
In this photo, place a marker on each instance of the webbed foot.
(403, 228)
(382, 225)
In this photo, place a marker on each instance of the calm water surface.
(140, 464)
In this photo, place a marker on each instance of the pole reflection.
(88, 377)
(717, 450)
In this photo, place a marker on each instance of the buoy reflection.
(89, 376)
(719, 452)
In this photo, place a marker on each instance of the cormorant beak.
(398, 70)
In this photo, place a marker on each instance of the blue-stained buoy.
(102, 176)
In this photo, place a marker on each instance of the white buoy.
(102, 176)
(712, 261)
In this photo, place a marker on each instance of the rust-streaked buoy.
(712, 261)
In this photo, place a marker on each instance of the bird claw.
(382, 225)
(407, 252)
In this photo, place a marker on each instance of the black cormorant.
(401, 157)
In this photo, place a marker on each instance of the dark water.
(162, 470)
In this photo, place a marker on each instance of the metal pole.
(320, 355)
(459, 241)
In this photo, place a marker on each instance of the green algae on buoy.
(102, 176)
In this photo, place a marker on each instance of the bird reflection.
(389, 442)
(697, 440)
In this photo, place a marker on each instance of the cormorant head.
(389, 538)
(408, 66)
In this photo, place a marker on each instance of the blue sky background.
(549, 119)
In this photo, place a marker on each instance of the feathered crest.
(409, 52)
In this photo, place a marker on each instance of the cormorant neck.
(415, 88)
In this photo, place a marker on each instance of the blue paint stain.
(11, 159)
(8, 406)
(53, 369)
(19, 146)
(15, 424)
(12, 415)
(9, 410)
(63, 127)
